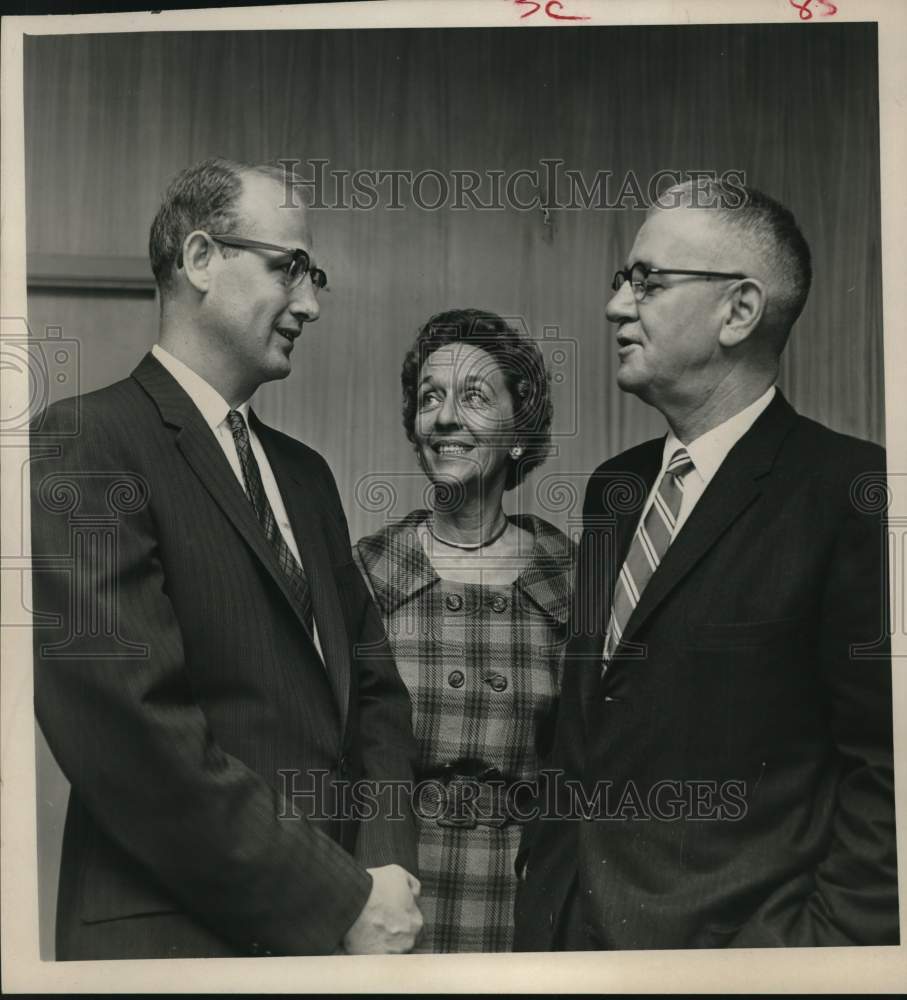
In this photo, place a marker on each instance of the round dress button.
(454, 602)
(499, 603)
(498, 683)
(456, 679)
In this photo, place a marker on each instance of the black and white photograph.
(455, 498)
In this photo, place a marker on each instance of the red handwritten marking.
(562, 17)
(805, 12)
(550, 7)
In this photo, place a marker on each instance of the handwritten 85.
(805, 12)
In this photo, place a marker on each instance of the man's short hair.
(771, 232)
(203, 196)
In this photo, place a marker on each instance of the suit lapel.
(617, 495)
(734, 488)
(305, 509)
(205, 456)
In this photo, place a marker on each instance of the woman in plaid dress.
(475, 605)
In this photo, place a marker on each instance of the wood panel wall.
(111, 118)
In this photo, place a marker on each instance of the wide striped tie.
(649, 545)
(255, 491)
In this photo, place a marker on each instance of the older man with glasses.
(722, 772)
(201, 679)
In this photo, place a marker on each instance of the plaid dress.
(482, 664)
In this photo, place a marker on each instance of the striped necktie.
(649, 545)
(255, 491)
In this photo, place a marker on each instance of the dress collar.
(398, 568)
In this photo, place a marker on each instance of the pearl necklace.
(472, 546)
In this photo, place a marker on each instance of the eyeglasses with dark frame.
(299, 266)
(638, 276)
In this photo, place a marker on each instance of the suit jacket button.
(498, 683)
(456, 678)
(499, 603)
(454, 602)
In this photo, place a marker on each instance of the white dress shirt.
(707, 453)
(214, 408)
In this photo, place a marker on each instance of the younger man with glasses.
(215, 678)
(722, 772)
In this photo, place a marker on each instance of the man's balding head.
(761, 238)
(224, 246)
(706, 300)
(204, 196)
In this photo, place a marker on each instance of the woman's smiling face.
(464, 416)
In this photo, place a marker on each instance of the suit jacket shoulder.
(632, 458)
(834, 456)
(620, 485)
(111, 409)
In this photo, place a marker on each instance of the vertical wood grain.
(110, 118)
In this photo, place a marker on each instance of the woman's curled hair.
(521, 364)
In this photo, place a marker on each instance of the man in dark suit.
(722, 772)
(211, 674)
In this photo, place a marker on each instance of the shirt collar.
(212, 406)
(709, 450)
